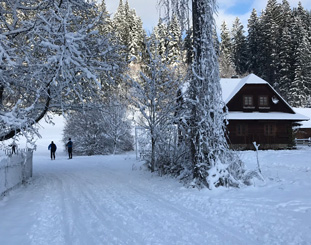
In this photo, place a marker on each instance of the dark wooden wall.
(256, 132)
(256, 90)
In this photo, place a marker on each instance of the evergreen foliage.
(278, 49)
(129, 30)
(226, 66)
(239, 47)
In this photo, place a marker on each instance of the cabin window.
(248, 101)
(241, 129)
(270, 129)
(263, 101)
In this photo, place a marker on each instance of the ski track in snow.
(106, 200)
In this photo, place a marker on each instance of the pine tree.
(188, 47)
(300, 88)
(129, 30)
(270, 22)
(286, 51)
(106, 27)
(136, 36)
(239, 47)
(226, 66)
(253, 44)
(174, 41)
(160, 33)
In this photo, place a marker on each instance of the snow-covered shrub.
(154, 95)
(96, 131)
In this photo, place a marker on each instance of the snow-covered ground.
(114, 200)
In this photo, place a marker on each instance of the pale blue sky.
(228, 10)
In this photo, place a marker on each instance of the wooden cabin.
(257, 113)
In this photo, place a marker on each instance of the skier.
(52, 147)
(69, 147)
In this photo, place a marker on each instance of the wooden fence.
(303, 141)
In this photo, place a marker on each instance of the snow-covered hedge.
(14, 170)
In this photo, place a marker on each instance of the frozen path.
(108, 200)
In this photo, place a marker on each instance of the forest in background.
(276, 46)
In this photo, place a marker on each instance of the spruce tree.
(300, 88)
(253, 43)
(239, 47)
(129, 30)
(270, 41)
(106, 27)
(226, 66)
(161, 35)
(174, 41)
(286, 51)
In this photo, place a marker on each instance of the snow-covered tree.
(116, 122)
(129, 29)
(54, 57)
(160, 33)
(300, 88)
(226, 66)
(212, 162)
(239, 47)
(253, 43)
(174, 53)
(106, 28)
(270, 36)
(286, 51)
(153, 94)
(188, 47)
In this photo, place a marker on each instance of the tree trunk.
(196, 83)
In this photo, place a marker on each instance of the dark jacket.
(52, 147)
(69, 144)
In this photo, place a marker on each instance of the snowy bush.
(95, 132)
(154, 95)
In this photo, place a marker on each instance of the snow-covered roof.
(240, 115)
(306, 112)
(230, 87)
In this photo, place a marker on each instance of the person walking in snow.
(52, 147)
(69, 148)
(13, 146)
